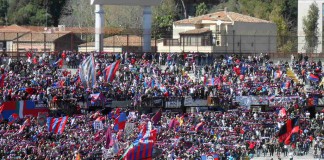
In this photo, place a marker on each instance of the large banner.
(22, 108)
(247, 101)
(173, 102)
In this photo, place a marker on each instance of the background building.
(303, 7)
(222, 32)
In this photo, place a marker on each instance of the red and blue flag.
(56, 125)
(199, 126)
(140, 150)
(110, 71)
(13, 118)
(120, 122)
(210, 156)
(313, 77)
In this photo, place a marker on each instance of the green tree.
(310, 28)
(163, 17)
(3, 11)
(201, 9)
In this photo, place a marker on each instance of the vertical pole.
(147, 24)
(233, 41)
(127, 42)
(86, 42)
(241, 44)
(17, 46)
(197, 43)
(31, 42)
(44, 42)
(99, 12)
(269, 43)
(72, 48)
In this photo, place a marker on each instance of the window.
(218, 40)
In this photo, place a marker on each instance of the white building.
(303, 7)
(222, 32)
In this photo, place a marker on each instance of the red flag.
(110, 71)
(157, 117)
(294, 131)
(2, 78)
(108, 138)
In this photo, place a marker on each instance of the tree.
(78, 13)
(127, 17)
(310, 28)
(55, 9)
(163, 17)
(3, 11)
(201, 9)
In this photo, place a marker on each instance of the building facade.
(222, 32)
(303, 8)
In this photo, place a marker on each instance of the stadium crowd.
(233, 134)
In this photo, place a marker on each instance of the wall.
(253, 38)
(181, 28)
(303, 7)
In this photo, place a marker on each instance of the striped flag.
(140, 150)
(313, 77)
(87, 72)
(199, 126)
(56, 125)
(26, 123)
(110, 71)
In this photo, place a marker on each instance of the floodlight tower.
(147, 19)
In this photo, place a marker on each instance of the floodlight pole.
(99, 12)
(147, 28)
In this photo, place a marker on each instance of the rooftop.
(197, 31)
(222, 16)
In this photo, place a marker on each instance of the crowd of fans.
(234, 134)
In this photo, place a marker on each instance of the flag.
(94, 97)
(199, 126)
(157, 117)
(140, 150)
(313, 101)
(59, 63)
(41, 118)
(25, 124)
(110, 71)
(277, 74)
(120, 122)
(2, 78)
(87, 72)
(108, 138)
(173, 123)
(282, 112)
(56, 125)
(210, 157)
(313, 77)
(22, 108)
(286, 129)
(12, 119)
(181, 120)
(292, 136)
